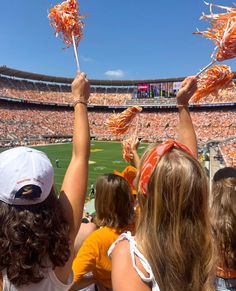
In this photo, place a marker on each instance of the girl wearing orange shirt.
(115, 214)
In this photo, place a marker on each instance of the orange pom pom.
(216, 78)
(119, 123)
(66, 21)
(222, 32)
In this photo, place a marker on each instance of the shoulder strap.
(123, 236)
(134, 251)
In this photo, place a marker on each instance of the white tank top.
(134, 251)
(49, 283)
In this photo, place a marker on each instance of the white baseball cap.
(26, 176)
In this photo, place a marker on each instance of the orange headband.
(152, 159)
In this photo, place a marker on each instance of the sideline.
(49, 144)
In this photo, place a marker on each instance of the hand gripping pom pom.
(126, 150)
(216, 78)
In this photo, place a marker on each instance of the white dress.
(49, 283)
(134, 251)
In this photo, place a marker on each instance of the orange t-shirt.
(92, 256)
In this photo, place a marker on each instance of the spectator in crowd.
(19, 122)
(57, 163)
(38, 230)
(228, 151)
(60, 94)
(114, 214)
(223, 219)
(92, 191)
(56, 94)
(172, 248)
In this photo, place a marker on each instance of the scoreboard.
(155, 90)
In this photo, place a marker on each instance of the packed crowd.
(60, 94)
(107, 96)
(210, 125)
(151, 101)
(64, 97)
(228, 151)
(224, 96)
(158, 225)
(109, 99)
(19, 122)
(24, 122)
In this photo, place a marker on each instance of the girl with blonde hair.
(223, 219)
(172, 248)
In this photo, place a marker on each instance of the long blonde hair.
(223, 216)
(173, 230)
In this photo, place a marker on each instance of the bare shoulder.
(122, 248)
(124, 275)
(121, 256)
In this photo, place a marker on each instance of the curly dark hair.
(32, 238)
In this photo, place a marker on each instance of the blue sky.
(130, 39)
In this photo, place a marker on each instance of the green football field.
(105, 157)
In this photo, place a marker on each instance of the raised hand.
(186, 91)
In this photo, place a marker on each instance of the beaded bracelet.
(79, 101)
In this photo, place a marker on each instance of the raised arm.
(134, 157)
(185, 127)
(74, 186)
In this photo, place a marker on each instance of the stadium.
(118, 146)
(37, 110)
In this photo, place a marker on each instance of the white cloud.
(115, 73)
(86, 59)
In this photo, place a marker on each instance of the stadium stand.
(34, 87)
(58, 94)
(228, 151)
(38, 109)
(22, 121)
(225, 96)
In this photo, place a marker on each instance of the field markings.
(106, 155)
(117, 162)
(96, 150)
(99, 168)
